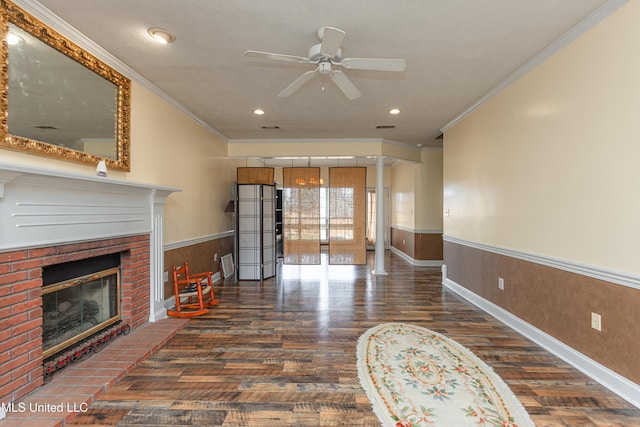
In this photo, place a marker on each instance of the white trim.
(416, 262)
(58, 24)
(615, 382)
(380, 141)
(621, 278)
(417, 231)
(195, 241)
(307, 141)
(580, 28)
(320, 141)
(48, 207)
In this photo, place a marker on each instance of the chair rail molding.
(601, 273)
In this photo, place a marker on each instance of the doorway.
(336, 214)
(372, 218)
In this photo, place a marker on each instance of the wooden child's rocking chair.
(196, 290)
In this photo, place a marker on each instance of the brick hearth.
(51, 216)
(81, 383)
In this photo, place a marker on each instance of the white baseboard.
(623, 387)
(416, 262)
(160, 313)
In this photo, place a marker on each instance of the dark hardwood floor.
(283, 353)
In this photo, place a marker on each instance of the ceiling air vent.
(45, 127)
(270, 127)
(385, 126)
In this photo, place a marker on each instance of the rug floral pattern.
(416, 377)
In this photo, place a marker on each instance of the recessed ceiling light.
(258, 112)
(394, 111)
(161, 35)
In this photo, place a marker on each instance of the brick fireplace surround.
(21, 302)
(49, 217)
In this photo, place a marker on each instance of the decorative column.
(379, 248)
(157, 310)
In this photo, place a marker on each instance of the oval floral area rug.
(417, 377)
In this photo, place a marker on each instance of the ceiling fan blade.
(297, 84)
(342, 81)
(275, 56)
(374, 64)
(331, 41)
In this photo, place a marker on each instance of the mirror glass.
(56, 100)
(60, 100)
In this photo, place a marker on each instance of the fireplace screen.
(77, 308)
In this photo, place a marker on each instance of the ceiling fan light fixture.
(324, 67)
(161, 35)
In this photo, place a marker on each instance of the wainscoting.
(551, 301)
(199, 253)
(417, 247)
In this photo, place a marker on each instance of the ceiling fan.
(326, 56)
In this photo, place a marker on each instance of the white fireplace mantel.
(46, 207)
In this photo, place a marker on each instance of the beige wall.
(550, 165)
(416, 193)
(403, 195)
(428, 195)
(416, 207)
(171, 149)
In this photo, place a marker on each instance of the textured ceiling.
(455, 50)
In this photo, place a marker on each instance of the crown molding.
(576, 31)
(37, 10)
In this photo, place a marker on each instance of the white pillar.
(379, 248)
(157, 310)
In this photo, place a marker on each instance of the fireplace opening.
(79, 299)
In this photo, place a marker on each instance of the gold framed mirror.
(58, 100)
